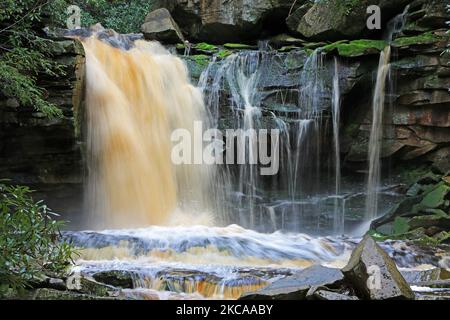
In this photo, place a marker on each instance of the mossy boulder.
(205, 47)
(424, 38)
(428, 42)
(435, 198)
(196, 64)
(423, 216)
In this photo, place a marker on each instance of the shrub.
(29, 239)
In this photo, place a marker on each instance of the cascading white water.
(376, 133)
(378, 105)
(237, 85)
(339, 208)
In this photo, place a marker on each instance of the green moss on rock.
(424, 38)
(224, 53)
(356, 48)
(203, 46)
(238, 46)
(200, 59)
(433, 199)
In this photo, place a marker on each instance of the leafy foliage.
(24, 55)
(29, 238)
(124, 16)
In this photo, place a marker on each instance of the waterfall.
(235, 86)
(376, 132)
(135, 98)
(339, 209)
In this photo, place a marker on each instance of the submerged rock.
(160, 26)
(296, 287)
(374, 275)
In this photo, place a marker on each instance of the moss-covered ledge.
(355, 48)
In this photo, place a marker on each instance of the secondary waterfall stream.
(378, 106)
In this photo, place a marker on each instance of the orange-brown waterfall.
(135, 99)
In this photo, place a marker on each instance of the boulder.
(160, 26)
(374, 275)
(337, 19)
(296, 286)
(425, 15)
(221, 21)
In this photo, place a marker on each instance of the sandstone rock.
(440, 159)
(374, 274)
(439, 220)
(293, 20)
(160, 26)
(295, 287)
(336, 19)
(426, 15)
(221, 21)
(44, 153)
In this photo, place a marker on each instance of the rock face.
(44, 153)
(374, 274)
(220, 21)
(160, 26)
(296, 287)
(417, 123)
(338, 19)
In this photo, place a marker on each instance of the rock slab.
(374, 275)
